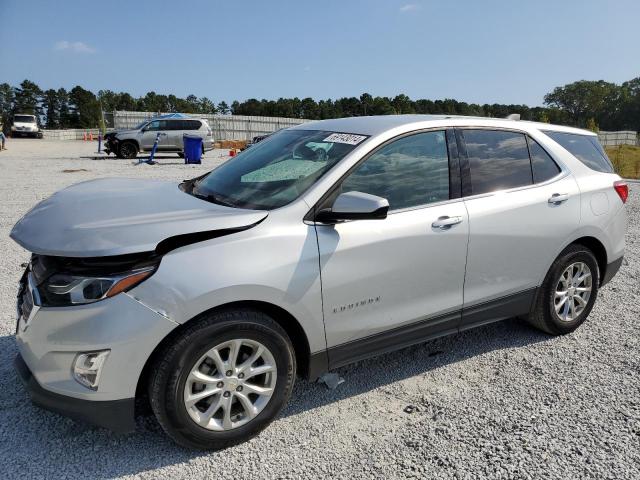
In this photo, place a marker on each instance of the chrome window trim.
(560, 176)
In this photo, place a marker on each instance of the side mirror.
(355, 206)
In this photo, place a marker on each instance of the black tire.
(128, 149)
(543, 315)
(174, 363)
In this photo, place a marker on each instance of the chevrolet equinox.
(322, 245)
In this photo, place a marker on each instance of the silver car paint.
(171, 140)
(274, 262)
(54, 336)
(402, 268)
(116, 216)
(277, 260)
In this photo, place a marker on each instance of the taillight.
(622, 189)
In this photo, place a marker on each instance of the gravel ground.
(502, 401)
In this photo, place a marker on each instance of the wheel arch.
(132, 140)
(599, 251)
(285, 319)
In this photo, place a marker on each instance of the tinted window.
(157, 125)
(585, 148)
(191, 124)
(543, 165)
(408, 172)
(497, 160)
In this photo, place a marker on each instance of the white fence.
(225, 127)
(612, 139)
(70, 134)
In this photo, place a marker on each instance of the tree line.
(588, 104)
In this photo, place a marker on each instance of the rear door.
(393, 282)
(175, 134)
(522, 208)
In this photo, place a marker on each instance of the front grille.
(26, 304)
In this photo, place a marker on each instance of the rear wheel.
(568, 292)
(128, 150)
(223, 379)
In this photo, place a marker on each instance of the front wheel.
(568, 292)
(223, 379)
(128, 150)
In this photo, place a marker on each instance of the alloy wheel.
(230, 384)
(573, 291)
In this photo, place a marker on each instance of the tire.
(128, 149)
(172, 381)
(543, 315)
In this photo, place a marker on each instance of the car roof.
(374, 125)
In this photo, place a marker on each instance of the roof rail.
(513, 116)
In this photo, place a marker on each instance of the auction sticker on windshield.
(347, 138)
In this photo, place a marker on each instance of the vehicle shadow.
(73, 449)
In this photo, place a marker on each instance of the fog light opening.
(88, 366)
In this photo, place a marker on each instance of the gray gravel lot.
(502, 401)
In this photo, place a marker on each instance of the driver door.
(394, 282)
(149, 135)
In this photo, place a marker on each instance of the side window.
(585, 148)
(192, 124)
(153, 126)
(411, 171)
(497, 160)
(544, 168)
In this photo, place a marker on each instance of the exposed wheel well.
(279, 315)
(598, 250)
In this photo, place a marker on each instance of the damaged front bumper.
(50, 339)
(110, 144)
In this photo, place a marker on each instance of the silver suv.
(127, 143)
(322, 245)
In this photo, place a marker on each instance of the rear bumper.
(612, 269)
(116, 415)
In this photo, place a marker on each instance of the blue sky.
(505, 51)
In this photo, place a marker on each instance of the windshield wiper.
(212, 198)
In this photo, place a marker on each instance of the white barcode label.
(347, 138)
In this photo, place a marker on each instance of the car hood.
(120, 216)
(127, 131)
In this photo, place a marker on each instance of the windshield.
(277, 170)
(140, 125)
(24, 119)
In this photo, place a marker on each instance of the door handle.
(558, 198)
(444, 223)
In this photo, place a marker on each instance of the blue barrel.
(192, 149)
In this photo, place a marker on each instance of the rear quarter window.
(585, 148)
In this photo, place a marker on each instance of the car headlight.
(62, 289)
